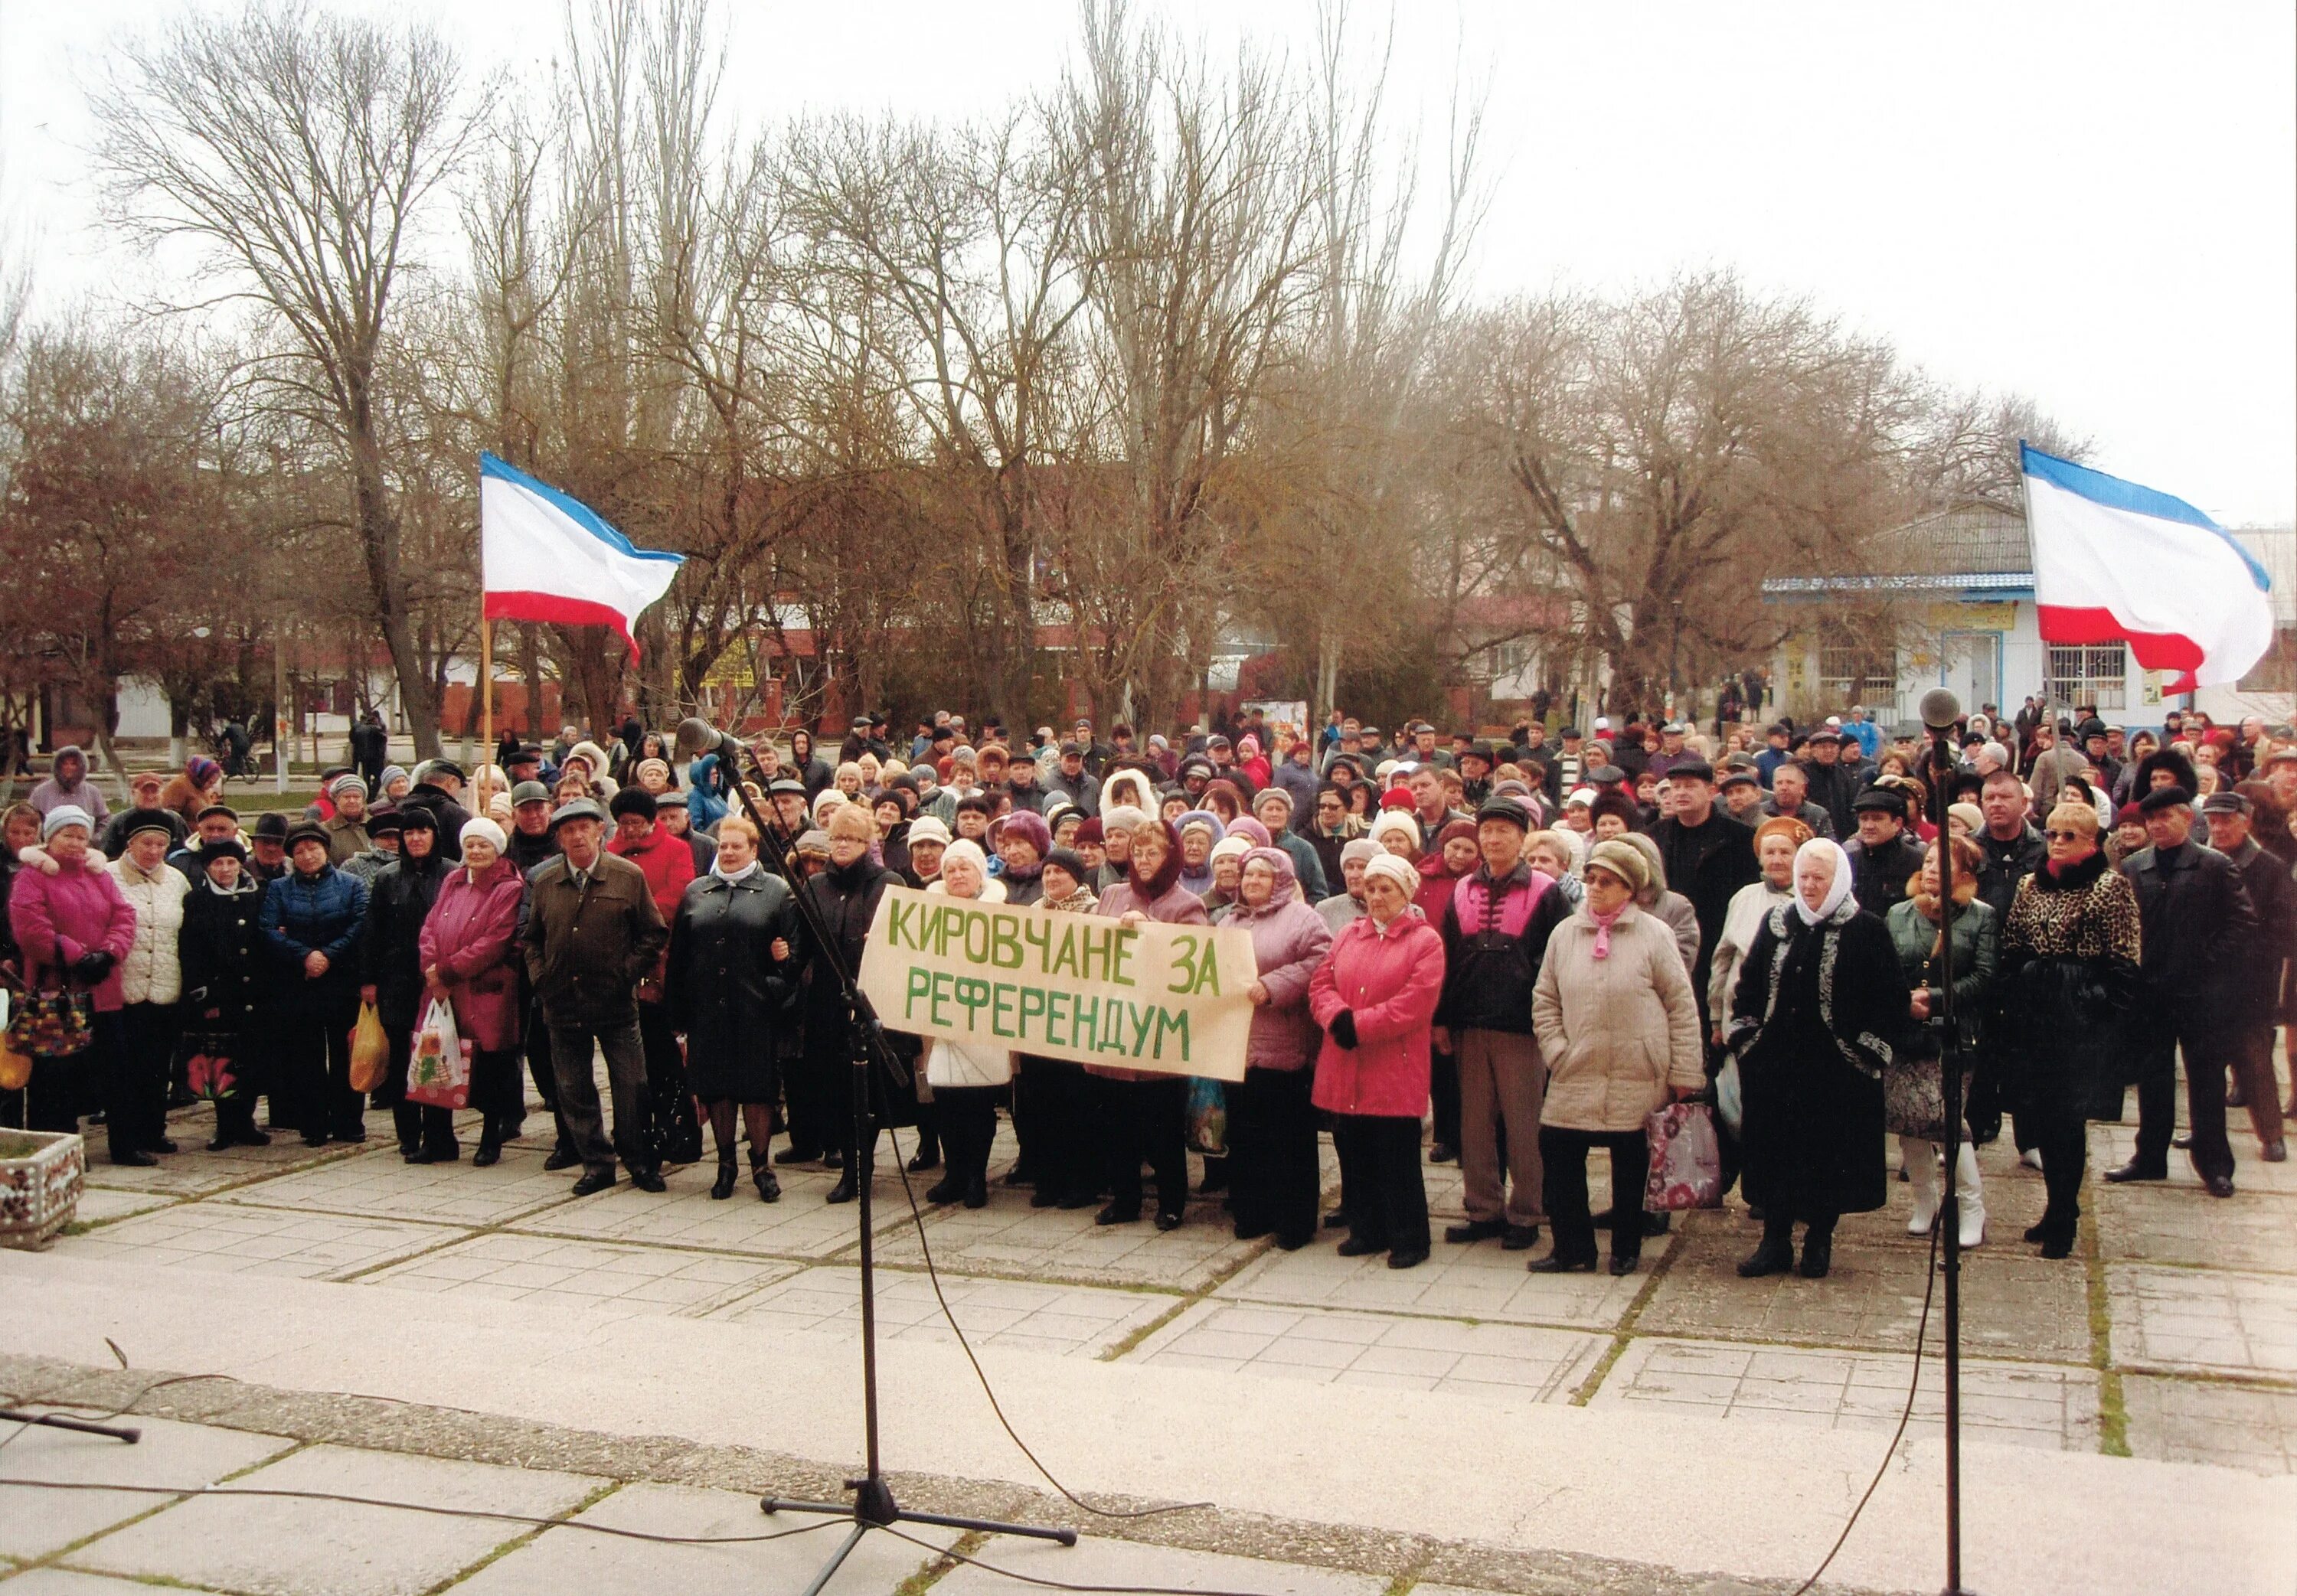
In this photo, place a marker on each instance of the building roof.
(1969, 547)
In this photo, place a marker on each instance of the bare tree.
(1673, 450)
(298, 150)
(103, 526)
(1197, 211)
(1349, 433)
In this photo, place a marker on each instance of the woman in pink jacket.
(1271, 1128)
(74, 927)
(471, 957)
(1375, 997)
(1143, 1115)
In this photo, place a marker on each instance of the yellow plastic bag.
(15, 1067)
(370, 1050)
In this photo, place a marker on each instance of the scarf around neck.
(1603, 923)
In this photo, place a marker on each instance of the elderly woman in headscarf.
(1271, 1126)
(1911, 1085)
(1198, 829)
(1618, 1027)
(1143, 1116)
(1822, 1004)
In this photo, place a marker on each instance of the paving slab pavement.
(275, 1547)
(1116, 1563)
(38, 1524)
(597, 1336)
(566, 1559)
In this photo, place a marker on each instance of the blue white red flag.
(2114, 561)
(548, 556)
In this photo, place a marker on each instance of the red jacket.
(58, 917)
(668, 863)
(1390, 981)
(472, 935)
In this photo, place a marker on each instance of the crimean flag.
(2117, 561)
(546, 555)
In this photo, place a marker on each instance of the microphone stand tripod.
(1940, 711)
(873, 1505)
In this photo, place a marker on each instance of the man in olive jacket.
(592, 935)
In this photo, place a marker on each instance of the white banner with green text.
(1170, 999)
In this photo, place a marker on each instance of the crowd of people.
(1506, 952)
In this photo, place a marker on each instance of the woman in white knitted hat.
(1375, 998)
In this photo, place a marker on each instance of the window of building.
(1850, 673)
(2089, 673)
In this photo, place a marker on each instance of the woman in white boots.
(1913, 1105)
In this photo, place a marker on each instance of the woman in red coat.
(471, 957)
(1375, 997)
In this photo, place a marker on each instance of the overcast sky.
(2092, 203)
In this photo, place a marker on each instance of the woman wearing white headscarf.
(1822, 1002)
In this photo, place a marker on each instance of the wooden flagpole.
(486, 685)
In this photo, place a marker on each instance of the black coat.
(1819, 1010)
(530, 854)
(2264, 956)
(2067, 982)
(1720, 857)
(1878, 875)
(451, 815)
(724, 990)
(220, 947)
(2194, 918)
(370, 748)
(2006, 865)
(847, 901)
(391, 952)
(1832, 787)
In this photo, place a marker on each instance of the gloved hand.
(1343, 1028)
(93, 967)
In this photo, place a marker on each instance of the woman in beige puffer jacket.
(150, 974)
(1618, 1027)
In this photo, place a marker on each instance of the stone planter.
(41, 1174)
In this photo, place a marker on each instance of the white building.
(1962, 603)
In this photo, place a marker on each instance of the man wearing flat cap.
(1833, 785)
(592, 935)
(1708, 857)
(2194, 918)
(1884, 857)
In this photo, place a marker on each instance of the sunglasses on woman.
(2063, 836)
